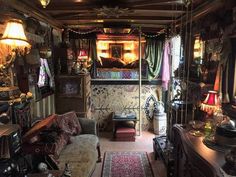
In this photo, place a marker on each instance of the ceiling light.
(44, 3)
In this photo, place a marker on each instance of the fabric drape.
(232, 73)
(45, 75)
(225, 57)
(165, 76)
(153, 55)
(93, 55)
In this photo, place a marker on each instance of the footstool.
(125, 134)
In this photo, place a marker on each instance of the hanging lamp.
(44, 3)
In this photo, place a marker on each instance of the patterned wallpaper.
(123, 98)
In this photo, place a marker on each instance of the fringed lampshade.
(83, 56)
(211, 103)
(14, 34)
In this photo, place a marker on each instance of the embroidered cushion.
(69, 123)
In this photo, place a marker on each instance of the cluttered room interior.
(125, 88)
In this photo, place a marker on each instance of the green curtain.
(153, 55)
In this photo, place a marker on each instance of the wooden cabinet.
(73, 93)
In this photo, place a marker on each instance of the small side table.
(117, 119)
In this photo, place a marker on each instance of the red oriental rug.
(126, 164)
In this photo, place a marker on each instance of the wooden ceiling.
(151, 15)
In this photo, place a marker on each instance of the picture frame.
(116, 50)
(70, 87)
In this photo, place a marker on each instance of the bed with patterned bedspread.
(110, 68)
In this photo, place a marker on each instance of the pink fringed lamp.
(82, 55)
(211, 103)
(82, 59)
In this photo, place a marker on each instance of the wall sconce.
(13, 36)
(44, 3)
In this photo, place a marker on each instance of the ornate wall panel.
(123, 98)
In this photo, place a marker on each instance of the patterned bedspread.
(117, 73)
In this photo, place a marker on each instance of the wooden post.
(140, 81)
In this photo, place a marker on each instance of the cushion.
(135, 64)
(69, 123)
(112, 63)
(38, 127)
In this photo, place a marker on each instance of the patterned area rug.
(126, 164)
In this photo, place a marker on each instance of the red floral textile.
(127, 164)
(43, 148)
(69, 123)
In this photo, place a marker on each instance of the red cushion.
(69, 123)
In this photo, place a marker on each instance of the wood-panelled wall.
(42, 108)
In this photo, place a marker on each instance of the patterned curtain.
(153, 55)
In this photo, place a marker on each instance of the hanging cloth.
(165, 77)
(45, 76)
(224, 62)
(93, 55)
(153, 55)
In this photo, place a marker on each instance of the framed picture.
(70, 87)
(116, 51)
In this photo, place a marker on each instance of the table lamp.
(14, 37)
(211, 103)
(82, 59)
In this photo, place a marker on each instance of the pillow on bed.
(135, 64)
(112, 63)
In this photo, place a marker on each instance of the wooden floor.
(142, 143)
